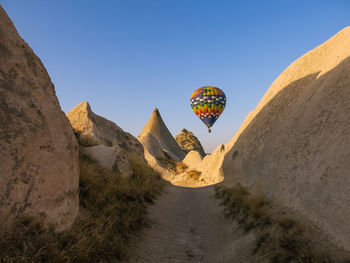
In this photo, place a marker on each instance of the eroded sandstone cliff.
(295, 146)
(39, 169)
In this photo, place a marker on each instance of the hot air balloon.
(208, 103)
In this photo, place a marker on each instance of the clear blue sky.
(127, 57)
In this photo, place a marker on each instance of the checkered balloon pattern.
(208, 103)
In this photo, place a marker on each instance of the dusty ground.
(189, 226)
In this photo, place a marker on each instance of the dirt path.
(190, 227)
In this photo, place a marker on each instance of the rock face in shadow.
(39, 169)
(113, 158)
(103, 140)
(188, 142)
(295, 146)
(155, 156)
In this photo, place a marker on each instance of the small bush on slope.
(113, 210)
(193, 175)
(280, 239)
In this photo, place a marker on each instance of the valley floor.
(189, 226)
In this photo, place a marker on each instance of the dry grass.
(113, 211)
(193, 175)
(28, 241)
(173, 165)
(180, 166)
(280, 239)
(250, 211)
(168, 161)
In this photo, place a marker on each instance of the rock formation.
(188, 142)
(193, 160)
(210, 166)
(295, 146)
(93, 130)
(111, 157)
(39, 169)
(157, 128)
(161, 149)
(104, 141)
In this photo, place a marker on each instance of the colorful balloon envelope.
(208, 103)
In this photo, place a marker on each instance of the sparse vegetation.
(113, 210)
(167, 160)
(279, 239)
(176, 166)
(193, 175)
(180, 166)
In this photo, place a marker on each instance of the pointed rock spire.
(157, 128)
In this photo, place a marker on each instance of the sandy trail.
(190, 227)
